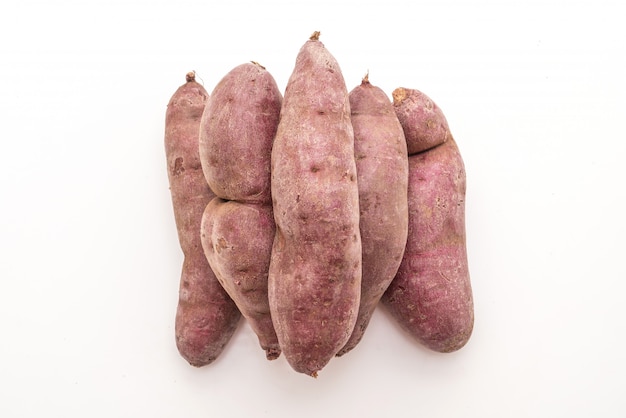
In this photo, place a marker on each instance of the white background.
(534, 93)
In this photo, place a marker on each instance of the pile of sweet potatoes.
(303, 212)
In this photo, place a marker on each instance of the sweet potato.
(237, 239)
(206, 317)
(431, 295)
(315, 270)
(382, 176)
(236, 134)
(425, 125)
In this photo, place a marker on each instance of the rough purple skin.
(206, 317)
(237, 239)
(315, 270)
(425, 125)
(236, 135)
(431, 295)
(382, 174)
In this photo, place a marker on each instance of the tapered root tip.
(315, 36)
(272, 353)
(366, 78)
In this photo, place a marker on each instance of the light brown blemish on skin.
(221, 245)
(399, 95)
(178, 166)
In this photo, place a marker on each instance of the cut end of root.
(257, 64)
(272, 353)
(399, 95)
(191, 76)
(366, 78)
(315, 36)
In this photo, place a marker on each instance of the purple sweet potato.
(382, 176)
(431, 295)
(237, 131)
(425, 125)
(206, 317)
(315, 270)
(237, 239)
(236, 135)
